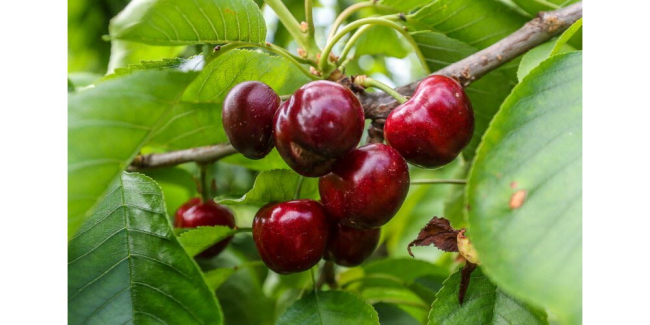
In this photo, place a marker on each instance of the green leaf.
(177, 185)
(479, 23)
(486, 94)
(125, 53)
(277, 186)
(403, 5)
(381, 40)
(534, 7)
(484, 303)
(178, 22)
(557, 45)
(329, 307)
(525, 190)
(196, 121)
(198, 239)
(130, 107)
(125, 264)
(390, 314)
(215, 278)
(194, 63)
(83, 79)
(272, 161)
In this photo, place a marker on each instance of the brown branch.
(547, 25)
(173, 158)
(378, 105)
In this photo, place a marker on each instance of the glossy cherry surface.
(321, 122)
(367, 187)
(195, 213)
(247, 117)
(291, 236)
(434, 126)
(349, 246)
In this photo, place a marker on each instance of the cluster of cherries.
(316, 131)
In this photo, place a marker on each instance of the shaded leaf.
(437, 232)
(125, 264)
(125, 53)
(178, 22)
(404, 6)
(215, 278)
(532, 249)
(198, 239)
(390, 314)
(329, 307)
(194, 63)
(484, 304)
(133, 107)
(277, 186)
(381, 40)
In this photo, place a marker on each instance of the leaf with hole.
(125, 264)
(525, 190)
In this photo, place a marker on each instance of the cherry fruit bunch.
(317, 131)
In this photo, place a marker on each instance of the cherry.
(195, 213)
(247, 117)
(434, 126)
(367, 187)
(349, 246)
(321, 122)
(291, 236)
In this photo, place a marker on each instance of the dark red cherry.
(434, 126)
(349, 246)
(291, 236)
(194, 214)
(367, 187)
(321, 122)
(247, 117)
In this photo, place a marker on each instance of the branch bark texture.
(378, 105)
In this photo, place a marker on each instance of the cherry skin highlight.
(367, 187)
(349, 246)
(195, 213)
(434, 126)
(247, 117)
(291, 236)
(321, 122)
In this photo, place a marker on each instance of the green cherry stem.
(293, 27)
(347, 12)
(298, 188)
(370, 82)
(353, 40)
(309, 18)
(438, 181)
(323, 62)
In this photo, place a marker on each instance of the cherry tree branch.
(545, 26)
(378, 105)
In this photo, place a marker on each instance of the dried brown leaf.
(439, 233)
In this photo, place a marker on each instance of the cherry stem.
(298, 188)
(245, 229)
(205, 190)
(370, 82)
(309, 18)
(438, 181)
(293, 27)
(323, 63)
(347, 12)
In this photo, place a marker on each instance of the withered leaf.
(439, 233)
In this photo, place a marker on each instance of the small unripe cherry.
(291, 236)
(434, 126)
(321, 122)
(195, 213)
(247, 118)
(367, 187)
(349, 246)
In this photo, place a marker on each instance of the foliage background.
(401, 289)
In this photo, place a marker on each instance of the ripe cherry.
(291, 236)
(195, 213)
(247, 117)
(367, 187)
(349, 246)
(434, 126)
(321, 122)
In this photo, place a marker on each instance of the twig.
(173, 158)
